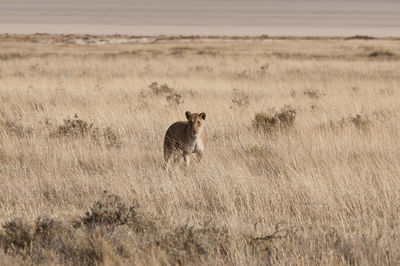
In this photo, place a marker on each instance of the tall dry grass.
(79, 120)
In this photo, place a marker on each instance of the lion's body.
(185, 137)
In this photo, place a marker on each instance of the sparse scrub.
(111, 211)
(51, 241)
(186, 244)
(112, 138)
(313, 94)
(160, 90)
(381, 54)
(245, 74)
(15, 129)
(360, 121)
(78, 128)
(249, 73)
(180, 50)
(210, 51)
(240, 99)
(326, 171)
(360, 37)
(48, 240)
(173, 98)
(17, 235)
(268, 122)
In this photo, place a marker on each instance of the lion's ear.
(203, 115)
(187, 114)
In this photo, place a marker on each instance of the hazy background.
(286, 17)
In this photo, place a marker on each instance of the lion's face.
(196, 122)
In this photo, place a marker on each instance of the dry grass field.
(302, 163)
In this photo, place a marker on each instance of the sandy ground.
(154, 17)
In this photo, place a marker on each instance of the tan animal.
(185, 137)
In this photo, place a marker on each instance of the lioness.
(185, 137)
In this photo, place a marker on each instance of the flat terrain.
(302, 163)
(206, 17)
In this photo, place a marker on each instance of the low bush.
(156, 90)
(381, 54)
(268, 122)
(76, 128)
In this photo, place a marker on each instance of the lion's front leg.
(199, 155)
(186, 157)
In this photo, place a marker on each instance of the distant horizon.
(177, 17)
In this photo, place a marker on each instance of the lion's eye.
(198, 122)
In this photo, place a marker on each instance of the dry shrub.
(88, 242)
(381, 54)
(76, 128)
(111, 212)
(261, 247)
(187, 244)
(100, 236)
(120, 54)
(162, 89)
(313, 94)
(15, 129)
(208, 51)
(265, 122)
(31, 241)
(201, 68)
(334, 125)
(51, 242)
(258, 72)
(112, 138)
(173, 98)
(108, 211)
(268, 122)
(360, 37)
(17, 235)
(386, 92)
(243, 74)
(359, 121)
(11, 56)
(384, 114)
(179, 50)
(240, 99)
(11, 127)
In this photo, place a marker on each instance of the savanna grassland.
(302, 162)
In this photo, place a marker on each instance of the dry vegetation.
(302, 164)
